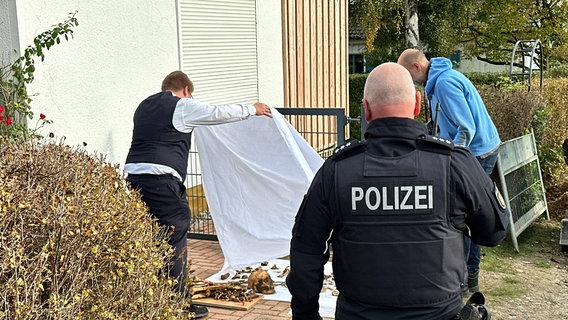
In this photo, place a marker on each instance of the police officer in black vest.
(394, 209)
(158, 157)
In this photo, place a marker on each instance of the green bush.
(555, 129)
(555, 92)
(485, 78)
(557, 65)
(556, 70)
(356, 86)
(75, 242)
(516, 111)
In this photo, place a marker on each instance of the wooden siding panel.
(315, 57)
(325, 53)
(344, 30)
(315, 53)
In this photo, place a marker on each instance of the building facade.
(287, 53)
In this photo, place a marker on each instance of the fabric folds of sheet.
(255, 173)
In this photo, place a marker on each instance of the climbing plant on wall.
(15, 109)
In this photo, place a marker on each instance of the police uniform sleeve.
(477, 195)
(308, 249)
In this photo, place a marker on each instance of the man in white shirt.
(157, 160)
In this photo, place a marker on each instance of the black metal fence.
(322, 128)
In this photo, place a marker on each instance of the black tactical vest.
(394, 245)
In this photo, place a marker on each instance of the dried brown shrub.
(512, 110)
(516, 111)
(555, 92)
(74, 242)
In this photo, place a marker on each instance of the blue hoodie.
(463, 116)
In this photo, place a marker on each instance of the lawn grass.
(538, 245)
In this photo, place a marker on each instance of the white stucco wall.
(356, 46)
(5, 41)
(475, 65)
(8, 32)
(90, 85)
(270, 66)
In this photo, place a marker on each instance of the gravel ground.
(544, 281)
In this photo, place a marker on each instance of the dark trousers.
(166, 198)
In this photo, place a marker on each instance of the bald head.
(389, 92)
(416, 63)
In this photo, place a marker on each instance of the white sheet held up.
(255, 173)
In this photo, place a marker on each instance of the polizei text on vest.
(392, 199)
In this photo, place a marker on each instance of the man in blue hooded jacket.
(461, 116)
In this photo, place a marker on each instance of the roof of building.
(355, 29)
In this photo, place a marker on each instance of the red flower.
(1, 109)
(8, 121)
(1, 118)
(42, 116)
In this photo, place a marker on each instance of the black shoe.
(484, 312)
(473, 282)
(199, 311)
(469, 312)
(477, 302)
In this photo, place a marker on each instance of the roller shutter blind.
(218, 49)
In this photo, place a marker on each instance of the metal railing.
(521, 183)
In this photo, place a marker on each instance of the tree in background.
(485, 29)
(496, 26)
(382, 23)
(390, 26)
(412, 32)
(442, 24)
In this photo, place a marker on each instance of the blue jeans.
(472, 250)
(488, 163)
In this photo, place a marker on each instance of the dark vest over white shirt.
(154, 138)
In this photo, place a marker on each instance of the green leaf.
(22, 72)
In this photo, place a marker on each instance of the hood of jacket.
(438, 66)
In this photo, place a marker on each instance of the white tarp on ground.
(255, 173)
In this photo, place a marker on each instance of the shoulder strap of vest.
(347, 149)
(434, 144)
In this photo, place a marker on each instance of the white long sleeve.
(190, 113)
